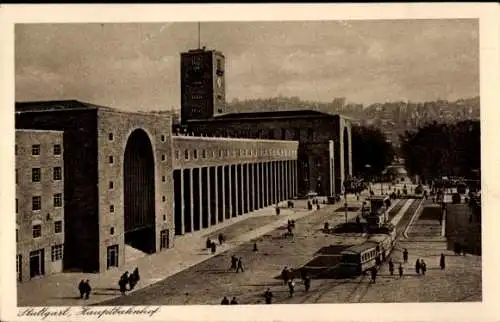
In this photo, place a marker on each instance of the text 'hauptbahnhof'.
(93, 181)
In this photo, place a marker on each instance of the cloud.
(131, 65)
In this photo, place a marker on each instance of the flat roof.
(39, 131)
(219, 138)
(73, 105)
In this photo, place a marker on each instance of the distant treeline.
(441, 149)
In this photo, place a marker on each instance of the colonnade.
(206, 196)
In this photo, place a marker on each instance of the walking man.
(291, 287)
(224, 301)
(417, 266)
(405, 255)
(88, 289)
(442, 262)
(400, 268)
(391, 267)
(233, 301)
(240, 266)
(268, 295)
(234, 262)
(423, 266)
(307, 283)
(81, 288)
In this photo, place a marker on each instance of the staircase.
(132, 254)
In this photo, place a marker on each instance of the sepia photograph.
(183, 163)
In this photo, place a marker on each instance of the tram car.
(358, 259)
(378, 215)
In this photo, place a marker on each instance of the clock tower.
(203, 93)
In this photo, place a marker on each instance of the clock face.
(219, 82)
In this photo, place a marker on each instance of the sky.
(134, 66)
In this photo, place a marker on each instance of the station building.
(132, 184)
(216, 179)
(39, 203)
(324, 152)
(117, 179)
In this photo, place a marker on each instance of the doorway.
(112, 256)
(37, 263)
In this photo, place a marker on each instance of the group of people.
(85, 289)
(225, 301)
(129, 279)
(236, 264)
(288, 279)
(212, 246)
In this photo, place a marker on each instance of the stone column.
(200, 196)
(191, 204)
(223, 185)
(183, 230)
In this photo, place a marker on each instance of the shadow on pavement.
(350, 227)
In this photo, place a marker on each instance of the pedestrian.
(81, 288)
(209, 243)
(423, 267)
(233, 301)
(134, 278)
(290, 231)
(268, 295)
(391, 267)
(291, 287)
(374, 275)
(293, 224)
(277, 210)
(405, 255)
(213, 247)
(255, 247)
(234, 261)
(87, 289)
(224, 301)
(400, 268)
(240, 266)
(122, 283)
(307, 283)
(221, 239)
(285, 275)
(417, 266)
(442, 263)
(318, 207)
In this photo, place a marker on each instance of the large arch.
(139, 192)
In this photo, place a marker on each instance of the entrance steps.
(132, 254)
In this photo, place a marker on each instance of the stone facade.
(114, 131)
(39, 203)
(94, 205)
(313, 130)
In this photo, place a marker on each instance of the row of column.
(206, 196)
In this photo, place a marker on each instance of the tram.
(378, 215)
(358, 259)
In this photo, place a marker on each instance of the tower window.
(35, 175)
(35, 149)
(57, 149)
(36, 202)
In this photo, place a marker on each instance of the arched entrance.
(139, 192)
(346, 153)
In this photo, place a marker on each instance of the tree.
(441, 149)
(370, 147)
